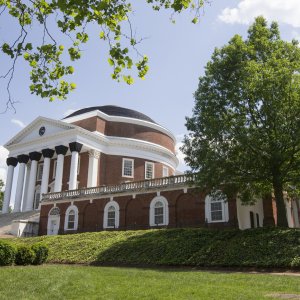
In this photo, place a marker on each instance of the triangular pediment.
(41, 127)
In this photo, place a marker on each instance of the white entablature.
(56, 133)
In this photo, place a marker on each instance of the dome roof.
(113, 110)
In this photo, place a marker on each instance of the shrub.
(7, 254)
(24, 256)
(41, 253)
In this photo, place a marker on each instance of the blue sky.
(178, 53)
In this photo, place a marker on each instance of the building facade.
(109, 167)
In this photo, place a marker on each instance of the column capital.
(35, 155)
(94, 153)
(61, 149)
(75, 147)
(48, 153)
(23, 158)
(11, 161)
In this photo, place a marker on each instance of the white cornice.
(102, 115)
(94, 140)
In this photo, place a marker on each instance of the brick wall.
(185, 210)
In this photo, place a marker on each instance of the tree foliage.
(244, 133)
(50, 61)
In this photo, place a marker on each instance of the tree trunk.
(280, 205)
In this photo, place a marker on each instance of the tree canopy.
(244, 133)
(51, 62)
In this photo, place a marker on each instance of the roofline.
(100, 114)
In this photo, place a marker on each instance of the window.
(37, 198)
(216, 208)
(159, 212)
(40, 172)
(127, 167)
(149, 170)
(71, 219)
(111, 215)
(54, 168)
(165, 171)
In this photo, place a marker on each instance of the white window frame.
(132, 169)
(224, 204)
(39, 176)
(37, 191)
(117, 214)
(165, 214)
(165, 172)
(71, 207)
(54, 168)
(148, 163)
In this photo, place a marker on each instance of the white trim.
(117, 214)
(71, 207)
(153, 169)
(109, 118)
(96, 141)
(132, 167)
(225, 213)
(165, 211)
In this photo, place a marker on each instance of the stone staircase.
(10, 222)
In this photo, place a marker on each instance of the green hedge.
(265, 247)
(7, 254)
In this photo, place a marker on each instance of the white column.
(31, 186)
(45, 176)
(25, 192)
(23, 159)
(35, 157)
(93, 168)
(11, 162)
(75, 148)
(59, 173)
(61, 152)
(73, 171)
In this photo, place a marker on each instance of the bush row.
(22, 254)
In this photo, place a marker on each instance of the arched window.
(53, 221)
(111, 215)
(71, 218)
(216, 208)
(159, 212)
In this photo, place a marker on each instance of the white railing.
(135, 186)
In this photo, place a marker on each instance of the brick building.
(109, 167)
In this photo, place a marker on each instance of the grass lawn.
(86, 282)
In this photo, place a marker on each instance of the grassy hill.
(265, 247)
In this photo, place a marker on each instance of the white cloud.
(18, 122)
(3, 167)
(68, 112)
(283, 11)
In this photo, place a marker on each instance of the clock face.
(42, 131)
